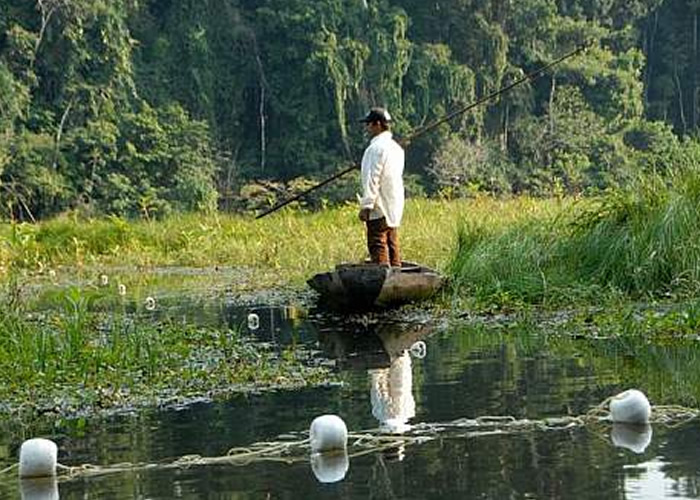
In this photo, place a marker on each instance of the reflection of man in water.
(391, 393)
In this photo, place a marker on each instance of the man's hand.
(364, 214)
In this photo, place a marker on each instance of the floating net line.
(666, 415)
(294, 448)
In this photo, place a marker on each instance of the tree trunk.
(681, 109)
(694, 94)
(261, 106)
(261, 111)
(59, 132)
(650, 61)
(551, 103)
(47, 9)
(506, 125)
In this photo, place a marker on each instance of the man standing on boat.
(381, 205)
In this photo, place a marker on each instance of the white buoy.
(634, 437)
(330, 467)
(631, 407)
(39, 488)
(37, 458)
(328, 433)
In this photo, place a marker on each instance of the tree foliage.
(144, 107)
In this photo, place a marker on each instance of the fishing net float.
(38, 458)
(329, 446)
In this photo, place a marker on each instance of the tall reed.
(641, 241)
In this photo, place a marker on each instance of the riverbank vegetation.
(640, 242)
(637, 241)
(291, 244)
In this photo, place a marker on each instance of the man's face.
(373, 128)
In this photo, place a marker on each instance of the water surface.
(468, 371)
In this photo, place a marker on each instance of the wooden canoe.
(374, 286)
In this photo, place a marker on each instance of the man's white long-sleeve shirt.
(382, 179)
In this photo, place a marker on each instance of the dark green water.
(467, 371)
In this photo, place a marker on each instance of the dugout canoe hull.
(373, 286)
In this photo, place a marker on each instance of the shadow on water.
(396, 374)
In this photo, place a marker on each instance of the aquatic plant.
(79, 357)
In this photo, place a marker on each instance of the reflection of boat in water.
(369, 286)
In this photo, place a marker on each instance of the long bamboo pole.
(437, 123)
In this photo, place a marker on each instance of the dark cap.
(377, 115)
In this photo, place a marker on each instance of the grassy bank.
(292, 243)
(641, 243)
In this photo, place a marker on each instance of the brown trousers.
(383, 242)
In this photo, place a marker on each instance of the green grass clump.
(510, 257)
(641, 242)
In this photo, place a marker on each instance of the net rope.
(296, 447)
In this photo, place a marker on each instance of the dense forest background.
(142, 107)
